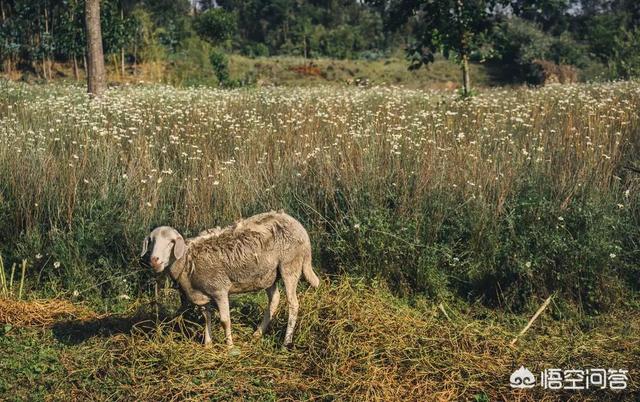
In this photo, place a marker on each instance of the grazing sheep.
(244, 257)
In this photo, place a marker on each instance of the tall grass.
(7, 285)
(509, 195)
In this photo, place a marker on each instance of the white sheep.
(245, 257)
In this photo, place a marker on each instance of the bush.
(520, 42)
(565, 50)
(538, 248)
(256, 50)
(220, 63)
(339, 42)
(626, 62)
(535, 248)
(520, 45)
(216, 25)
(191, 64)
(378, 244)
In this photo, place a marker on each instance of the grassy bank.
(354, 342)
(296, 71)
(192, 67)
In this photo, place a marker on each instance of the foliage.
(626, 48)
(551, 15)
(519, 44)
(587, 34)
(192, 64)
(216, 25)
(452, 27)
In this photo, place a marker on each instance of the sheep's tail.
(309, 275)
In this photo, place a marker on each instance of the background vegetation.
(181, 42)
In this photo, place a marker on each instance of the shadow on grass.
(245, 312)
(73, 332)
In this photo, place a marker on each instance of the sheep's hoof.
(257, 334)
(287, 347)
(208, 345)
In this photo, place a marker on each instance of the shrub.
(191, 64)
(216, 25)
(565, 50)
(538, 248)
(377, 243)
(220, 63)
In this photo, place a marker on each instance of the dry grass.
(354, 343)
(198, 157)
(41, 313)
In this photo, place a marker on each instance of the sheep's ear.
(178, 248)
(145, 244)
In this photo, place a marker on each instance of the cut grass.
(354, 342)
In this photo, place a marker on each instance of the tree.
(216, 25)
(70, 36)
(552, 15)
(95, 55)
(457, 27)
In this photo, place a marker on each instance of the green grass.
(280, 71)
(192, 67)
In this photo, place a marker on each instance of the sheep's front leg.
(274, 299)
(184, 304)
(206, 312)
(222, 301)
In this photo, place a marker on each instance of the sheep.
(245, 257)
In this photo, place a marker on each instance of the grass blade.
(3, 279)
(13, 271)
(24, 269)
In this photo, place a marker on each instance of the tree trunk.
(466, 81)
(95, 55)
(44, 57)
(76, 73)
(114, 58)
(7, 61)
(304, 45)
(122, 48)
(122, 61)
(135, 59)
(44, 68)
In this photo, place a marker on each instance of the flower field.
(432, 193)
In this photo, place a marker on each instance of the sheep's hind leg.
(222, 301)
(290, 278)
(274, 298)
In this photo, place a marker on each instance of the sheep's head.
(166, 246)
